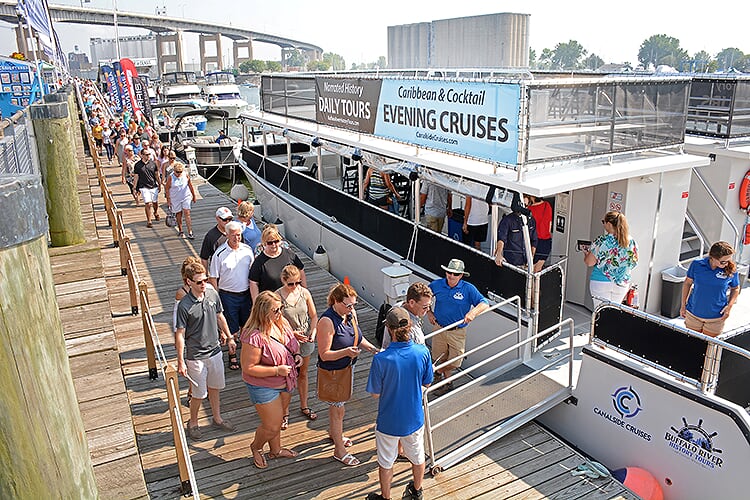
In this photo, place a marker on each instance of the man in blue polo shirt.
(455, 300)
(397, 376)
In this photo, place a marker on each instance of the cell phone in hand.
(583, 245)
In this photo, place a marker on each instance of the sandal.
(311, 415)
(233, 363)
(261, 464)
(349, 460)
(347, 442)
(283, 453)
(285, 423)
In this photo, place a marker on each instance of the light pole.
(117, 31)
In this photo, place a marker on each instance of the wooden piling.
(43, 448)
(59, 169)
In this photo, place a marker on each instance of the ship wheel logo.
(697, 435)
(626, 402)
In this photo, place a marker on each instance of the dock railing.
(138, 293)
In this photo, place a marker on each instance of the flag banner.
(122, 87)
(140, 89)
(129, 72)
(36, 15)
(114, 94)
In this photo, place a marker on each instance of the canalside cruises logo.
(695, 444)
(627, 404)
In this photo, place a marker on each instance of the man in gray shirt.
(417, 303)
(436, 201)
(199, 319)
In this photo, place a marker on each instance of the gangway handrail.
(698, 234)
(513, 421)
(460, 321)
(138, 290)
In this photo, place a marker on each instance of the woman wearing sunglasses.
(705, 305)
(270, 353)
(299, 310)
(265, 272)
(339, 342)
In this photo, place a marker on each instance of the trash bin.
(456, 224)
(671, 290)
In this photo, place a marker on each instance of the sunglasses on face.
(292, 284)
(200, 282)
(277, 310)
(273, 242)
(453, 274)
(349, 306)
(227, 219)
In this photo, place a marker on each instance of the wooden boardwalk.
(529, 463)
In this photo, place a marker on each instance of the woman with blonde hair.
(250, 232)
(270, 355)
(339, 342)
(613, 255)
(265, 272)
(705, 305)
(299, 310)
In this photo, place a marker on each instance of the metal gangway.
(487, 405)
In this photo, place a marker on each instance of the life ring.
(745, 191)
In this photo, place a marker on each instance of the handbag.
(170, 220)
(336, 386)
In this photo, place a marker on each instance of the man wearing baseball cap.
(216, 236)
(397, 376)
(455, 300)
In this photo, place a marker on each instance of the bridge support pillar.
(23, 47)
(242, 50)
(169, 50)
(206, 58)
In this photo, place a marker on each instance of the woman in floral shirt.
(613, 255)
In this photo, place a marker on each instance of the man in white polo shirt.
(230, 267)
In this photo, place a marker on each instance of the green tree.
(731, 57)
(318, 66)
(568, 55)
(593, 62)
(295, 58)
(335, 61)
(532, 58)
(273, 66)
(253, 66)
(545, 60)
(662, 49)
(700, 62)
(382, 62)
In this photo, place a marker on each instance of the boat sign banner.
(472, 118)
(349, 103)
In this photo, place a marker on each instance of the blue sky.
(358, 30)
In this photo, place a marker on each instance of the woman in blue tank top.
(337, 349)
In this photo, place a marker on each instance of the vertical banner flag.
(140, 89)
(122, 87)
(129, 72)
(114, 94)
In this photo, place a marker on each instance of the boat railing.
(720, 207)
(139, 302)
(444, 412)
(688, 356)
(17, 145)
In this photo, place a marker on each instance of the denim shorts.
(262, 395)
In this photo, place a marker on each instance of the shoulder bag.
(336, 386)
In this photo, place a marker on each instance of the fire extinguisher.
(631, 298)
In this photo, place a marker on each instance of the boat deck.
(528, 463)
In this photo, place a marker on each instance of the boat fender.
(745, 191)
(280, 227)
(320, 257)
(640, 482)
(239, 192)
(380, 325)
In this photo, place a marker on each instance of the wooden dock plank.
(527, 463)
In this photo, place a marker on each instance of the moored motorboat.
(222, 92)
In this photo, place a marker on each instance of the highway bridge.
(168, 31)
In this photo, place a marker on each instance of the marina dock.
(126, 417)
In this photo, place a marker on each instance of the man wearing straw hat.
(455, 300)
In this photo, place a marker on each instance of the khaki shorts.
(712, 327)
(208, 373)
(449, 344)
(387, 447)
(434, 223)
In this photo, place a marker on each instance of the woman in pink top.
(270, 357)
